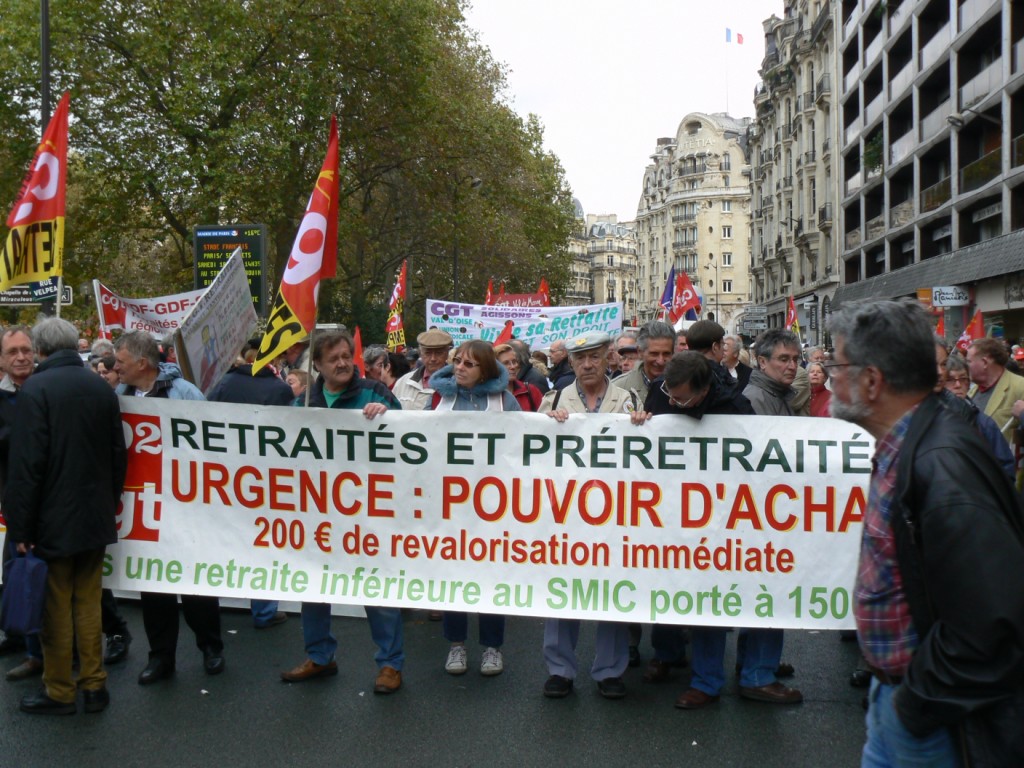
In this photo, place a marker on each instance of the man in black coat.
(66, 472)
(239, 386)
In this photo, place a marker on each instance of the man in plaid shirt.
(939, 600)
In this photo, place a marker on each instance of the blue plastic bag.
(21, 612)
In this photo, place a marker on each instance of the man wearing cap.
(413, 390)
(591, 392)
(626, 350)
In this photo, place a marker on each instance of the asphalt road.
(247, 716)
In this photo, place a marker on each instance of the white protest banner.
(537, 326)
(219, 324)
(158, 316)
(730, 521)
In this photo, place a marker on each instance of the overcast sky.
(609, 77)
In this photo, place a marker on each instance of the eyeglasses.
(679, 403)
(465, 363)
(960, 381)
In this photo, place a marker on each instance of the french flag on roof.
(731, 36)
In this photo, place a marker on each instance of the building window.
(726, 180)
(726, 259)
(726, 162)
(727, 233)
(611, 260)
(727, 286)
(727, 206)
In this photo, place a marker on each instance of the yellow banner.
(283, 330)
(33, 252)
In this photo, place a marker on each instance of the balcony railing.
(901, 213)
(873, 49)
(875, 227)
(935, 48)
(809, 156)
(981, 171)
(825, 216)
(902, 147)
(826, 147)
(982, 84)
(819, 23)
(824, 86)
(935, 121)
(873, 110)
(854, 183)
(1017, 151)
(936, 195)
(902, 80)
(808, 100)
(968, 14)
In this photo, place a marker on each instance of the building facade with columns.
(604, 266)
(694, 215)
(795, 161)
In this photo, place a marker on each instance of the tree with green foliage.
(216, 111)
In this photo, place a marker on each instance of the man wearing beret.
(413, 390)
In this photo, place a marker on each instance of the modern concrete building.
(932, 153)
(795, 169)
(694, 215)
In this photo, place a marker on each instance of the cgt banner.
(731, 521)
(537, 326)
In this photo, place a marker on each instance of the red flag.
(501, 291)
(684, 298)
(357, 351)
(489, 298)
(506, 333)
(314, 256)
(974, 330)
(940, 329)
(395, 326)
(34, 250)
(791, 314)
(545, 291)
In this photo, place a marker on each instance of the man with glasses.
(413, 390)
(690, 388)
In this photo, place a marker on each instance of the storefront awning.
(1002, 255)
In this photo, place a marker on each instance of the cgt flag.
(974, 330)
(314, 256)
(395, 326)
(792, 323)
(684, 298)
(34, 249)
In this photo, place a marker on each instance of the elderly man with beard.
(939, 595)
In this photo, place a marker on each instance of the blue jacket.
(169, 384)
(444, 384)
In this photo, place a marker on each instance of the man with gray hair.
(66, 472)
(143, 375)
(527, 373)
(939, 595)
(656, 343)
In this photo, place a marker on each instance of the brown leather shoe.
(692, 698)
(309, 669)
(657, 671)
(388, 680)
(775, 693)
(30, 667)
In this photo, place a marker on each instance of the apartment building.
(795, 170)
(694, 215)
(931, 190)
(604, 266)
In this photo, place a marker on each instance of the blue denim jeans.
(386, 629)
(492, 628)
(757, 652)
(890, 745)
(263, 611)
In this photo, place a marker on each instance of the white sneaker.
(456, 663)
(492, 663)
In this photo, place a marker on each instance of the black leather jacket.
(960, 544)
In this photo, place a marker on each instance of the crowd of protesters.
(973, 397)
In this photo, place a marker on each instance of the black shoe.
(12, 644)
(96, 701)
(634, 656)
(40, 704)
(860, 678)
(557, 687)
(156, 669)
(213, 661)
(117, 648)
(612, 688)
(276, 620)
